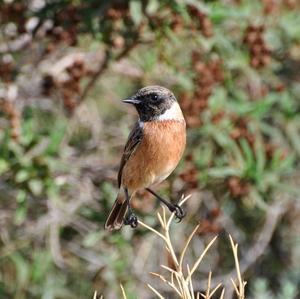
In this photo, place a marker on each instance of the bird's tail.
(116, 216)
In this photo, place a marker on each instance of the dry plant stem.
(191, 283)
(123, 292)
(179, 282)
(186, 246)
(155, 291)
(209, 293)
(201, 257)
(165, 223)
(240, 289)
(170, 283)
(95, 296)
(182, 284)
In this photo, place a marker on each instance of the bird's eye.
(155, 97)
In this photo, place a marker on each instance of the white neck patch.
(173, 113)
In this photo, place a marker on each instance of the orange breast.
(157, 155)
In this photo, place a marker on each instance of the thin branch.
(170, 283)
(186, 245)
(151, 229)
(155, 291)
(241, 289)
(104, 65)
(201, 257)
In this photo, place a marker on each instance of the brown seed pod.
(202, 21)
(176, 23)
(190, 177)
(260, 54)
(209, 74)
(14, 118)
(208, 226)
(238, 187)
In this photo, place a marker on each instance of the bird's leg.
(130, 218)
(179, 213)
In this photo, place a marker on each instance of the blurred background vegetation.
(64, 66)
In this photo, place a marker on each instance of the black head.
(151, 102)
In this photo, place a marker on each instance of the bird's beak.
(131, 100)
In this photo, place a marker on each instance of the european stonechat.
(153, 150)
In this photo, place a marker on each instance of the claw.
(179, 213)
(131, 220)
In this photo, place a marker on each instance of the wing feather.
(134, 139)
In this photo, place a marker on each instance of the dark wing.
(133, 141)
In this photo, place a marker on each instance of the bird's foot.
(131, 220)
(179, 212)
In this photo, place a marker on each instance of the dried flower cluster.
(14, 12)
(240, 129)
(238, 187)
(112, 21)
(117, 12)
(190, 177)
(208, 74)
(272, 6)
(7, 67)
(177, 23)
(209, 224)
(70, 88)
(65, 28)
(13, 116)
(260, 54)
(203, 22)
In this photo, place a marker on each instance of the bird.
(152, 151)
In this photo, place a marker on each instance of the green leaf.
(223, 172)
(4, 166)
(22, 176)
(20, 215)
(22, 269)
(36, 186)
(21, 196)
(40, 266)
(217, 101)
(56, 137)
(250, 169)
